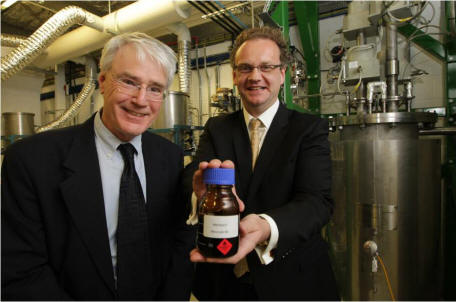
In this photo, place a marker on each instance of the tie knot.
(255, 124)
(128, 151)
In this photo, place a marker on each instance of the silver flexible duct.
(11, 40)
(184, 65)
(86, 93)
(17, 59)
(184, 44)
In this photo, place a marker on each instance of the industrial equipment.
(16, 125)
(172, 122)
(225, 101)
(385, 234)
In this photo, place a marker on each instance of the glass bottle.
(218, 215)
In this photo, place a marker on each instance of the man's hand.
(198, 184)
(253, 230)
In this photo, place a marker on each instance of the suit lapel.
(83, 195)
(152, 162)
(271, 143)
(243, 154)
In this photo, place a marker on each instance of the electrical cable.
(236, 26)
(402, 20)
(386, 277)
(202, 3)
(193, 3)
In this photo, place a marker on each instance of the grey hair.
(145, 46)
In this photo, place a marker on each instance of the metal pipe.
(371, 88)
(234, 30)
(142, 15)
(224, 9)
(231, 22)
(85, 94)
(451, 15)
(205, 10)
(408, 94)
(392, 68)
(217, 76)
(26, 52)
(361, 92)
(200, 87)
(438, 131)
(252, 10)
(208, 84)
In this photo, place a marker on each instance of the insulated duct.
(142, 15)
(11, 40)
(86, 92)
(184, 44)
(17, 59)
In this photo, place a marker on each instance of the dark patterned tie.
(133, 243)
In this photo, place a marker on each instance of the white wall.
(21, 93)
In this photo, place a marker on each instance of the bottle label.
(221, 226)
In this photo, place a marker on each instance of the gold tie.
(242, 267)
(255, 125)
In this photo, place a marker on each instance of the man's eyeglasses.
(132, 88)
(247, 68)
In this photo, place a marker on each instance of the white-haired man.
(93, 212)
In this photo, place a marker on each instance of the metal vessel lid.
(219, 176)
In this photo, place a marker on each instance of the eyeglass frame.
(252, 68)
(128, 89)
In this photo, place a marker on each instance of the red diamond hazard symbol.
(224, 246)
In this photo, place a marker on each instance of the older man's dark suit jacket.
(290, 183)
(54, 236)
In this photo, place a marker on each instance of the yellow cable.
(387, 278)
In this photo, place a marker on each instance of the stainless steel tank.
(16, 125)
(173, 111)
(386, 187)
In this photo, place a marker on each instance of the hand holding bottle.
(252, 229)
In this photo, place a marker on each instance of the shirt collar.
(110, 140)
(266, 117)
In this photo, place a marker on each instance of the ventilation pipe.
(86, 93)
(11, 40)
(17, 59)
(142, 15)
(184, 43)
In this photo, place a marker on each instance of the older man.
(93, 212)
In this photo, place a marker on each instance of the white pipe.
(180, 30)
(142, 15)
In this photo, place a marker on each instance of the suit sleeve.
(310, 205)
(179, 275)
(26, 273)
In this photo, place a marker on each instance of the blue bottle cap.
(219, 176)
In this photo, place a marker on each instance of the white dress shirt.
(264, 251)
(111, 168)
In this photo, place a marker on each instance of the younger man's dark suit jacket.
(55, 242)
(291, 183)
